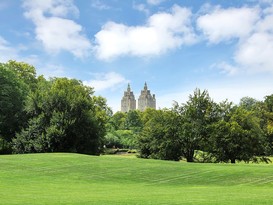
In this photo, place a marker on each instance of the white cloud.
(58, 34)
(104, 81)
(155, 2)
(162, 32)
(97, 4)
(226, 68)
(255, 54)
(141, 8)
(254, 30)
(225, 24)
(60, 8)
(55, 32)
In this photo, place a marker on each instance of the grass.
(81, 179)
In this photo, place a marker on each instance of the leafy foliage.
(159, 139)
(13, 94)
(194, 118)
(65, 118)
(238, 138)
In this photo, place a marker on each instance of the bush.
(204, 157)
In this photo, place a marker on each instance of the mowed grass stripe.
(80, 179)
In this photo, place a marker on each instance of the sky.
(176, 46)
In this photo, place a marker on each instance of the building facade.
(128, 101)
(145, 100)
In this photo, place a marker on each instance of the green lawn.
(81, 179)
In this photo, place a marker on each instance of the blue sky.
(175, 46)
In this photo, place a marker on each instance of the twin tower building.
(145, 100)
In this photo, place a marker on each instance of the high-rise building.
(146, 100)
(128, 101)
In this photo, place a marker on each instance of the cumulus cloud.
(104, 81)
(255, 53)
(162, 32)
(55, 31)
(225, 24)
(253, 29)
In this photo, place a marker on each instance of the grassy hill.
(81, 179)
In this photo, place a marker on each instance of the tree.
(194, 118)
(147, 114)
(269, 102)
(25, 72)
(248, 103)
(237, 137)
(13, 94)
(159, 139)
(116, 121)
(266, 114)
(66, 117)
(133, 121)
(120, 139)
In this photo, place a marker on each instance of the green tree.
(194, 119)
(266, 114)
(248, 103)
(238, 136)
(13, 94)
(65, 117)
(123, 129)
(147, 114)
(133, 121)
(25, 72)
(159, 138)
(120, 139)
(269, 102)
(116, 121)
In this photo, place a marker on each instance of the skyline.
(175, 46)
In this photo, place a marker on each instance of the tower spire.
(128, 101)
(145, 86)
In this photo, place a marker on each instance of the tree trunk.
(189, 155)
(189, 159)
(232, 161)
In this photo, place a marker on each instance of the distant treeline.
(63, 115)
(198, 130)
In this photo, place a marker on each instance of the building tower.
(128, 101)
(146, 100)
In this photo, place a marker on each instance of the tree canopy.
(55, 115)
